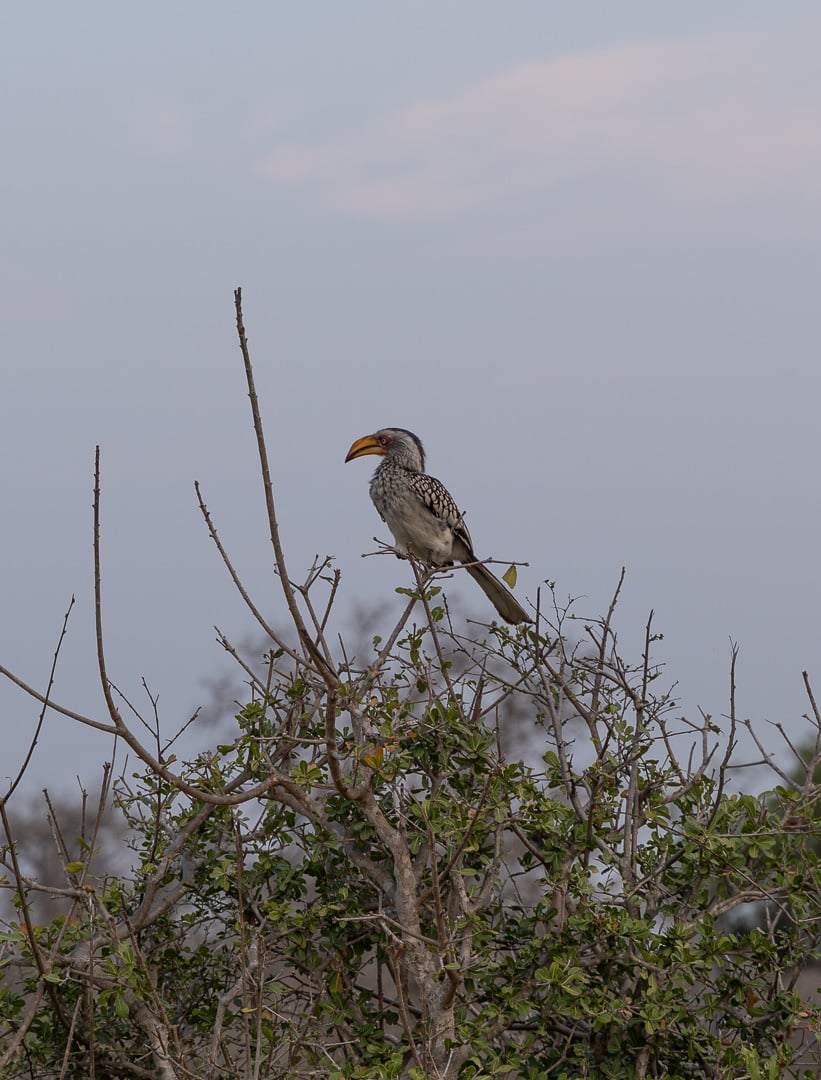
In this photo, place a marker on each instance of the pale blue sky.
(576, 249)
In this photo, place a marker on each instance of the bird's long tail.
(498, 594)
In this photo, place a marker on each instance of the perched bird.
(421, 514)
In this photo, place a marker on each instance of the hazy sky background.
(575, 248)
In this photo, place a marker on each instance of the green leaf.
(509, 576)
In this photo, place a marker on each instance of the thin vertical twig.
(279, 555)
(45, 706)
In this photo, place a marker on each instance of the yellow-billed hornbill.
(421, 514)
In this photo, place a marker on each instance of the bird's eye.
(384, 440)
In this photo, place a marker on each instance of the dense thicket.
(368, 879)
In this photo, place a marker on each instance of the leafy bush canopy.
(453, 854)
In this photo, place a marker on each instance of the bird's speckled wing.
(436, 497)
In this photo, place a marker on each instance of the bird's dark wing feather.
(433, 494)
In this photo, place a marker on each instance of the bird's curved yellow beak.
(368, 444)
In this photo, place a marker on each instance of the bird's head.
(397, 444)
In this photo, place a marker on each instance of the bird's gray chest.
(416, 529)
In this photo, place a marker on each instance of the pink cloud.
(692, 120)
